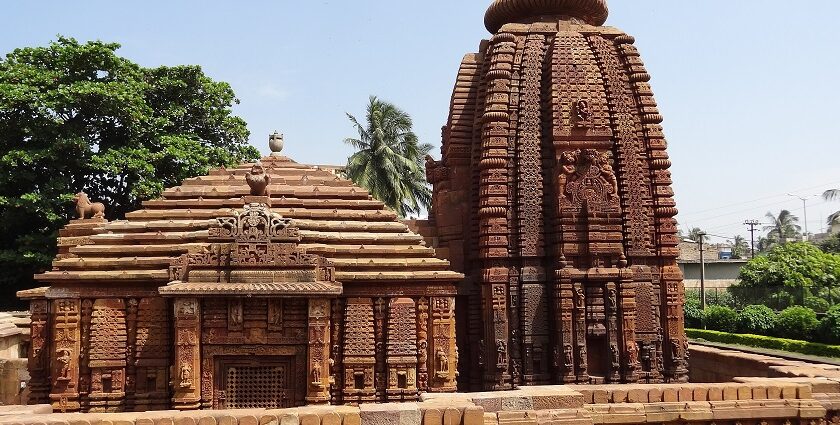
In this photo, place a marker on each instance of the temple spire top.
(593, 12)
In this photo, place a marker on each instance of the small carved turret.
(86, 209)
(258, 180)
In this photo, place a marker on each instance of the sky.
(749, 89)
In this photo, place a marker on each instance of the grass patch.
(768, 342)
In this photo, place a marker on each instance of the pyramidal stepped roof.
(592, 12)
(337, 220)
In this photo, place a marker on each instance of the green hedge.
(791, 345)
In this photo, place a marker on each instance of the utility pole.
(702, 236)
(804, 210)
(752, 224)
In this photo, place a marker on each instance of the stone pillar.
(187, 369)
(318, 376)
(564, 308)
(444, 351)
(66, 344)
(39, 352)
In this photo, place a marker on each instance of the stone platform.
(769, 402)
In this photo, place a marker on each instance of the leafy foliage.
(756, 319)
(795, 271)
(389, 159)
(721, 318)
(793, 346)
(693, 314)
(832, 244)
(78, 117)
(797, 323)
(830, 326)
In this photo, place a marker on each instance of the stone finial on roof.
(275, 143)
(501, 12)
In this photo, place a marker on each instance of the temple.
(270, 285)
(553, 197)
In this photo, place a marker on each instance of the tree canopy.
(790, 274)
(389, 159)
(783, 228)
(79, 117)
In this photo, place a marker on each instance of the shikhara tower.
(554, 197)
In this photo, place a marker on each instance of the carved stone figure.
(442, 361)
(185, 376)
(258, 180)
(583, 114)
(86, 209)
(501, 354)
(64, 358)
(568, 359)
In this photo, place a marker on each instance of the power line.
(763, 198)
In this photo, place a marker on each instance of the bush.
(830, 326)
(771, 343)
(757, 319)
(693, 314)
(721, 318)
(797, 323)
(817, 304)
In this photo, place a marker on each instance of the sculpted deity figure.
(442, 361)
(568, 358)
(185, 375)
(583, 114)
(258, 180)
(64, 358)
(501, 351)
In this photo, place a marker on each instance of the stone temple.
(278, 284)
(270, 285)
(553, 197)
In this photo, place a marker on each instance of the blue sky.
(748, 88)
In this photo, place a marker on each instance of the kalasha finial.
(275, 143)
(258, 180)
(501, 12)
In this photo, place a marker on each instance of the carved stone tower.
(554, 197)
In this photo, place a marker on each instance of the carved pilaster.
(39, 351)
(336, 357)
(402, 351)
(107, 355)
(494, 214)
(564, 351)
(318, 379)
(359, 351)
(187, 370)
(581, 355)
(131, 352)
(380, 382)
(444, 350)
(423, 360)
(66, 346)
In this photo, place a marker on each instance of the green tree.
(389, 159)
(78, 117)
(697, 234)
(740, 247)
(788, 275)
(833, 195)
(783, 228)
(832, 244)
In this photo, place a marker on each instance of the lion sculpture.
(87, 209)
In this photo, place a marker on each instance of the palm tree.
(388, 161)
(697, 234)
(740, 247)
(833, 195)
(782, 227)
